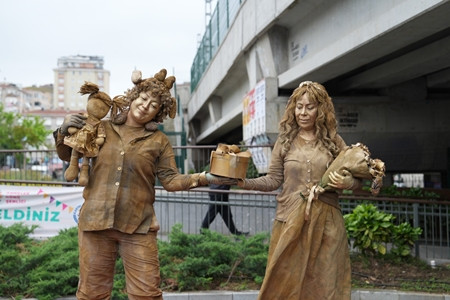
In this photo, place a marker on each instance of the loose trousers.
(99, 251)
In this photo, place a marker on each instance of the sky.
(147, 35)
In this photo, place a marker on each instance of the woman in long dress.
(308, 254)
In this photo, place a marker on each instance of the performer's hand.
(241, 183)
(72, 120)
(219, 180)
(344, 181)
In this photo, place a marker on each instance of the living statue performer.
(117, 216)
(308, 254)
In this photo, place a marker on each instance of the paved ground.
(252, 295)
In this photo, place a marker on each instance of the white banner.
(254, 112)
(51, 208)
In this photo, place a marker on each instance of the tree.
(20, 132)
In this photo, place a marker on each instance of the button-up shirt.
(299, 170)
(121, 188)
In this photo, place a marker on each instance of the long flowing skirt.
(308, 260)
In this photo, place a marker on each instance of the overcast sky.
(143, 34)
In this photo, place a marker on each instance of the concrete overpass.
(386, 64)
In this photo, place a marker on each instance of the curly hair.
(325, 125)
(159, 86)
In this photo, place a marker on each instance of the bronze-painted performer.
(117, 216)
(308, 253)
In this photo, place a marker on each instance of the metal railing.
(252, 211)
(221, 19)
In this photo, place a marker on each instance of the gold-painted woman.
(308, 253)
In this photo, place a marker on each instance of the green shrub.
(404, 237)
(14, 247)
(194, 262)
(371, 230)
(53, 266)
(119, 287)
(49, 269)
(413, 192)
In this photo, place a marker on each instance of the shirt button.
(119, 168)
(308, 180)
(308, 161)
(309, 171)
(122, 153)
(117, 184)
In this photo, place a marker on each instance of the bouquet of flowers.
(356, 160)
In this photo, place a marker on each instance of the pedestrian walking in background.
(222, 207)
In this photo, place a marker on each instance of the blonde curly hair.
(326, 124)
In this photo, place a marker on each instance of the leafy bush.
(13, 249)
(49, 269)
(413, 192)
(371, 230)
(41, 269)
(403, 239)
(119, 287)
(53, 266)
(194, 262)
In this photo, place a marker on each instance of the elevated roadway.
(385, 63)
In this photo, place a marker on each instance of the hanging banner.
(254, 126)
(254, 112)
(50, 208)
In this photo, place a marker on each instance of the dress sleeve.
(340, 143)
(274, 178)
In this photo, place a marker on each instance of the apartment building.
(38, 97)
(16, 99)
(71, 73)
(11, 97)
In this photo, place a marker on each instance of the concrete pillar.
(215, 108)
(278, 37)
(267, 58)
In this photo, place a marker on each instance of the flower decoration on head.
(158, 85)
(310, 83)
(305, 83)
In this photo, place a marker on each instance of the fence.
(215, 31)
(252, 211)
